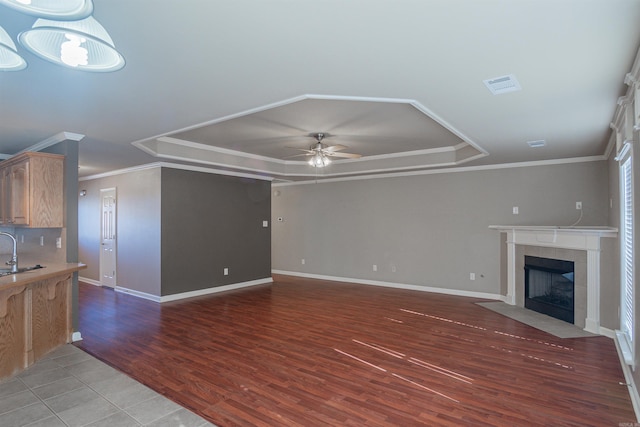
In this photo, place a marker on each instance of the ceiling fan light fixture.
(319, 160)
(9, 58)
(66, 10)
(83, 45)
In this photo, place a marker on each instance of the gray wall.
(138, 225)
(178, 229)
(211, 222)
(432, 228)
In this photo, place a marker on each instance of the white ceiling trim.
(402, 154)
(220, 150)
(52, 140)
(218, 164)
(302, 170)
(288, 101)
(175, 166)
(449, 170)
(450, 128)
(424, 110)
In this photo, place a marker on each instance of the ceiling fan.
(321, 153)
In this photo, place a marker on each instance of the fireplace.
(585, 246)
(549, 287)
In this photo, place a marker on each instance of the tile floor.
(71, 388)
(540, 321)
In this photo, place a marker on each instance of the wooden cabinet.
(35, 318)
(32, 191)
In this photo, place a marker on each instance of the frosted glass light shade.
(319, 160)
(83, 45)
(9, 58)
(72, 10)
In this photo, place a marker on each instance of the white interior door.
(108, 237)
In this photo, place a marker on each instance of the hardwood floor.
(304, 352)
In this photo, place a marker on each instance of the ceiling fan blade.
(336, 147)
(344, 155)
(303, 149)
(298, 155)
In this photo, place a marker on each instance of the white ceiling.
(240, 85)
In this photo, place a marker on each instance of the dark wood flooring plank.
(313, 353)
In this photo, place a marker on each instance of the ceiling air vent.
(537, 144)
(504, 84)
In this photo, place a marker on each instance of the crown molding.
(52, 140)
(175, 166)
(449, 170)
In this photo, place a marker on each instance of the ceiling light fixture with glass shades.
(320, 152)
(65, 33)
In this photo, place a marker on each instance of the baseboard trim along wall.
(628, 376)
(216, 289)
(609, 333)
(144, 295)
(89, 281)
(456, 292)
(191, 294)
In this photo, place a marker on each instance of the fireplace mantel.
(578, 238)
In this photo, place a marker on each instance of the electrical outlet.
(59, 242)
(393, 268)
(265, 224)
(579, 205)
(516, 210)
(303, 261)
(375, 267)
(225, 271)
(41, 240)
(472, 276)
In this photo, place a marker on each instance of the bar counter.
(35, 315)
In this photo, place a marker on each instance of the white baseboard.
(216, 289)
(609, 333)
(457, 292)
(138, 294)
(628, 376)
(89, 281)
(191, 294)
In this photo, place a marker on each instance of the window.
(627, 306)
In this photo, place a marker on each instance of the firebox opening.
(549, 287)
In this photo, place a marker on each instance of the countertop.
(50, 270)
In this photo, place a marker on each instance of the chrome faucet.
(14, 256)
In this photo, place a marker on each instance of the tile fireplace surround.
(559, 243)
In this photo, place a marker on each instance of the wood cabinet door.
(32, 191)
(20, 193)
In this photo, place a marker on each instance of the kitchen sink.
(7, 271)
